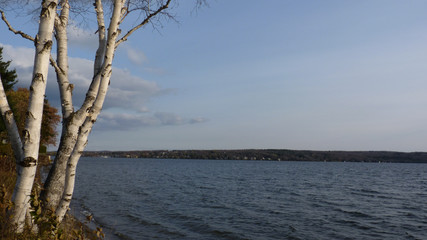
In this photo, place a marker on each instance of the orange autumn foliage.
(18, 101)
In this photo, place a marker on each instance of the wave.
(173, 199)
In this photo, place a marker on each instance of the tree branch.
(91, 115)
(55, 66)
(100, 52)
(65, 88)
(24, 35)
(145, 21)
(12, 129)
(92, 92)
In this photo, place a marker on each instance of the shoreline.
(270, 155)
(79, 214)
(75, 217)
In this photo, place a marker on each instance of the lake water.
(215, 199)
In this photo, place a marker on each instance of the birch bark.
(11, 127)
(105, 76)
(77, 125)
(101, 81)
(65, 88)
(55, 182)
(59, 186)
(34, 114)
(69, 130)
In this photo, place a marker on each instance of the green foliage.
(42, 149)
(8, 77)
(48, 226)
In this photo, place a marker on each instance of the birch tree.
(76, 124)
(27, 159)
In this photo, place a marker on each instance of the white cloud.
(136, 56)
(84, 38)
(22, 60)
(131, 92)
(127, 92)
(198, 120)
(19, 55)
(124, 121)
(166, 118)
(154, 70)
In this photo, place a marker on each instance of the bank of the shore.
(81, 215)
(271, 155)
(72, 227)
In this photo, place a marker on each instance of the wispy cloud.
(131, 92)
(19, 55)
(127, 92)
(124, 121)
(166, 118)
(154, 70)
(82, 38)
(136, 56)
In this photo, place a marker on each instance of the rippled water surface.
(213, 199)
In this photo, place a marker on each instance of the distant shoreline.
(270, 155)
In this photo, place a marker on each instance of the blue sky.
(318, 75)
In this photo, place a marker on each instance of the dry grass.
(70, 228)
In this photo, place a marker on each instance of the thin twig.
(146, 20)
(24, 35)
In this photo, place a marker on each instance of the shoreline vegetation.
(270, 155)
(70, 228)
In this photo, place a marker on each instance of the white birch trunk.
(59, 186)
(81, 143)
(65, 88)
(100, 52)
(12, 129)
(34, 114)
(75, 157)
(54, 185)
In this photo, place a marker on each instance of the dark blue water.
(204, 199)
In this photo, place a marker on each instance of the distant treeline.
(271, 155)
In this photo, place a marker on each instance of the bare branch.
(200, 3)
(24, 35)
(145, 21)
(55, 66)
